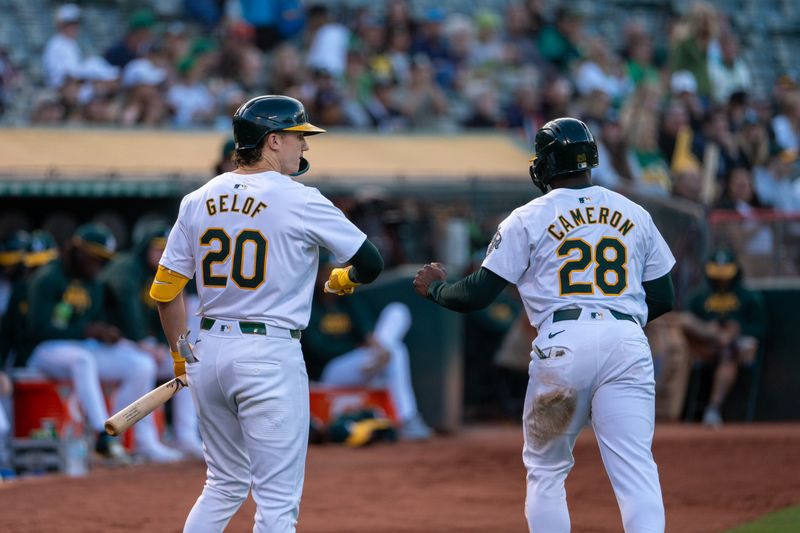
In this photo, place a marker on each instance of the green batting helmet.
(562, 146)
(265, 114)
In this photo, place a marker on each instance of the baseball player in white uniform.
(591, 269)
(252, 238)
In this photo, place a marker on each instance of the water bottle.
(76, 454)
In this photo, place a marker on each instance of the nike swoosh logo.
(157, 282)
(551, 335)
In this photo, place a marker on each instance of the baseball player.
(346, 346)
(127, 276)
(591, 269)
(71, 340)
(252, 236)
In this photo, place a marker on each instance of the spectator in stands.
(716, 144)
(687, 183)
(99, 95)
(675, 138)
(142, 81)
(725, 324)
(601, 71)
(524, 112)
(683, 87)
(731, 74)
(752, 140)
(422, 102)
(615, 169)
(778, 182)
(344, 347)
(327, 49)
(431, 41)
(263, 15)
(786, 125)
(557, 99)
(487, 50)
(639, 119)
(691, 40)
(520, 45)
(751, 238)
(486, 112)
(638, 53)
(327, 105)
(382, 107)
(71, 340)
(127, 279)
(137, 40)
(560, 42)
(190, 98)
(62, 55)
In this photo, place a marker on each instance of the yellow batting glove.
(339, 282)
(178, 364)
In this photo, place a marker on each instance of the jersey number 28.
(237, 271)
(610, 258)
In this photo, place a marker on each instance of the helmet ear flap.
(304, 166)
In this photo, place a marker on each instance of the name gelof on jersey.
(225, 204)
(589, 215)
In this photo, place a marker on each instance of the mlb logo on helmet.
(581, 159)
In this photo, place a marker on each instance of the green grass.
(783, 521)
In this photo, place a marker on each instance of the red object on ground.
(329, 402)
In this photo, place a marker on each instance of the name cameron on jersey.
(589, 215)
(224, 204)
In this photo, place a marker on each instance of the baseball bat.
(145, 405)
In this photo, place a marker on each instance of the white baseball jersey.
(588, 247)
(253, 241)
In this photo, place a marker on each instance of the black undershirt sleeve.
(474, 292)
(659, 296)
(367, 263)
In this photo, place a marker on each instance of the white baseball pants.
(346, 370)
(251, 395)
(86, 363)
(597, 370)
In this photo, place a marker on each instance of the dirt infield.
(470, 482)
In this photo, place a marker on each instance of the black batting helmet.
(265, 114)
(562, 146)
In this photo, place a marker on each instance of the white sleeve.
(178, 255)
(658, 259)
(325, 225)
(508, 254)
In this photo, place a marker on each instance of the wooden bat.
(145, 405)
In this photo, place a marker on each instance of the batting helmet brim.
(307, 128)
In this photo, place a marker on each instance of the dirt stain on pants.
(550, 415)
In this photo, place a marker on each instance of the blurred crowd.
(674, 114)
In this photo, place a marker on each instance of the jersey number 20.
(237, 273)
(610, 275)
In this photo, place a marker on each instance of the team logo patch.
(495, 244)
(240, 186)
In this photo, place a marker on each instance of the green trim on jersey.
(659, 296)
(474, 292)
(367, 264)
